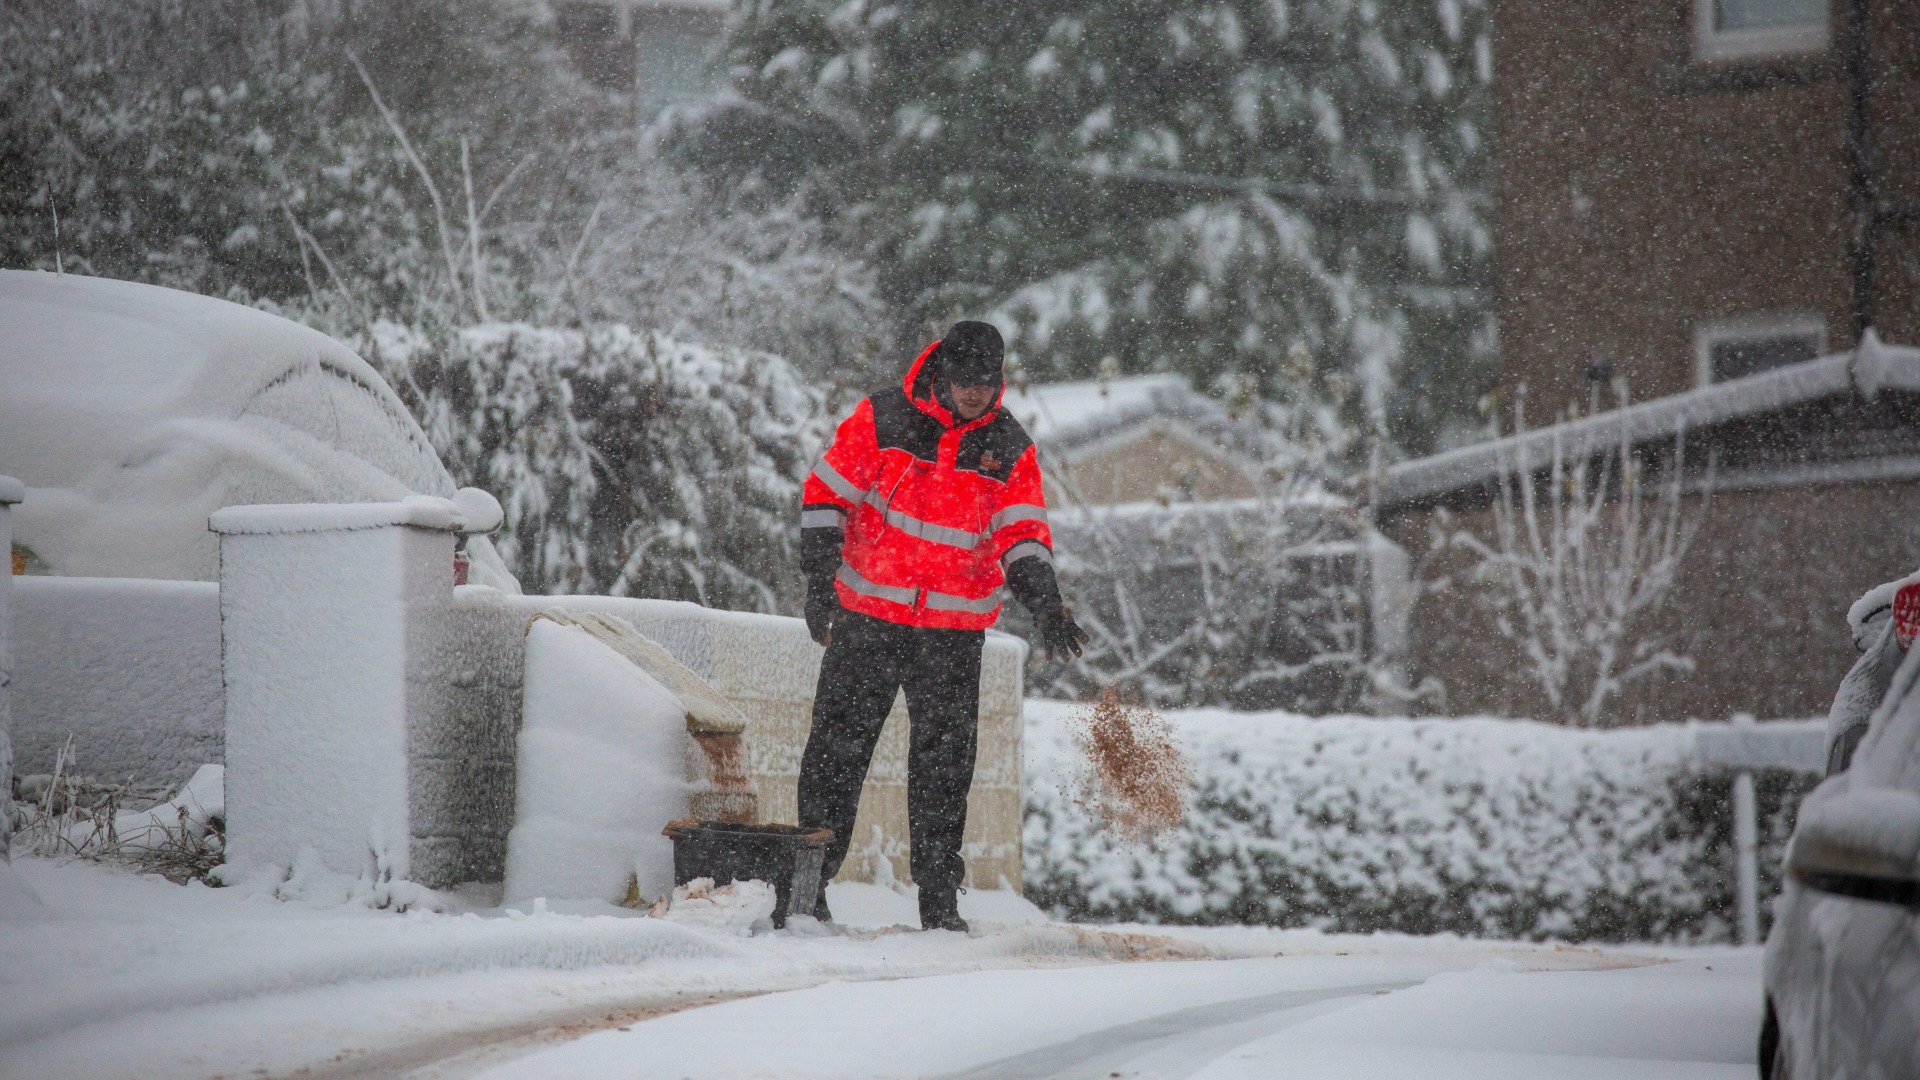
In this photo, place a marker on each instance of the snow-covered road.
(1408, 1015)
(126, 976)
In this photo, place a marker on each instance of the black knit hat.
(971, 354)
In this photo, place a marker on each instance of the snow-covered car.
(132, 412)
(1842, 970)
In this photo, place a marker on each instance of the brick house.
(1136, 439)
(1692, 190)
(1709, 202)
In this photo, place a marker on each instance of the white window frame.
(1710, 43)
(1748, 327)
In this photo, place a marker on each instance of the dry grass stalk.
(1135, 778)
(64, 815)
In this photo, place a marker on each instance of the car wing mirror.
(1860, 842)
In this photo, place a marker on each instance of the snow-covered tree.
(1581, 553)
(176, 141)
(628, 462)
(434, 162)
(1192, 186)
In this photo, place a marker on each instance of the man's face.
(971, 401)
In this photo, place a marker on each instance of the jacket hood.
(920, 388)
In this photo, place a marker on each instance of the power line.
(1282, 188)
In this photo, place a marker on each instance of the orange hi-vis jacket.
(934, 509)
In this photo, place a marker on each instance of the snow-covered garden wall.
(765, 666)
(128, 668)
(1474, 826)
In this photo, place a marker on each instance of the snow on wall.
(330, 638)
(132, 412)
(129, 668)
(1501, 828)
(600, 773)
(765, 666)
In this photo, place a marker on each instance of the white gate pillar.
(330, 622)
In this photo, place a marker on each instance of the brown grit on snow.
(1135, 778)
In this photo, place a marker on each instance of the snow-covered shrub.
(629, 463)
(1482, 827)
(65, 815)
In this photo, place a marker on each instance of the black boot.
(820, 909)
(941, 911)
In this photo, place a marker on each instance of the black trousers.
(869, 660)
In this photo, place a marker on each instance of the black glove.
(1061, 635)
(822, 608)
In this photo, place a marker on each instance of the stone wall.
(766, 666)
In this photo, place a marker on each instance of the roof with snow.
(1065, 416)
(1864, 376)
(132, 412)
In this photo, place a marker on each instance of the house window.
(598, 38)
(1738, 29)
(1740, 347)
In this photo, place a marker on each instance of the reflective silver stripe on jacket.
(1018, 512)
(853, 580)
(925, 530)
(841, 486)
(1026, 549)
(823, 517)
(938, 601)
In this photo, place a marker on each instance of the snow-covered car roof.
(132, 412)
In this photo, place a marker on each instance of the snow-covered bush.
(1481, 827)
(629, 463)
(66, 815)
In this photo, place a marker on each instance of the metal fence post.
(1746, 846)
(1744, 747)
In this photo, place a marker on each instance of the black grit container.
(787, 856)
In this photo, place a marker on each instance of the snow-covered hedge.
(629, 463)
(1483, 827)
